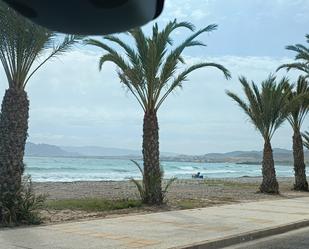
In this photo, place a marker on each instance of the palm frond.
(149, 67)
(296, 66)
(131, 74)
(170, 65)
(140, 184)
(301, 58)
(130, 52)
(306, 139)
(58, 49)
(168, 185)
(117, 59)
(22, 43)
(183, 76)
(138, 166)
(140, 188)
(298, 102)
(141, 43)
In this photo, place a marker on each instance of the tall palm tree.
(22, 44)
(298, 101)
(266, 109)
(301, 59)
(306, 139)
(150, 72)
(299, 112)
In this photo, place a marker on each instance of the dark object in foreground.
(89, 17)
(197, 176)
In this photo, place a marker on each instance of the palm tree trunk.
(301, 183)
(152, 171)
(269, 184)
(13, 134)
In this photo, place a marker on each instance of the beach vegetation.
(230, 184)
(92, 204)
(267, 110)
(151, 70)
(190, 204)
(140, 185)
(26, 210)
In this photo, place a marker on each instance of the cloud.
(199, 14)
(72, 103)
(184, 9)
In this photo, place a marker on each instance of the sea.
(68, 169)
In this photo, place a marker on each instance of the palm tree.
(306, 139)
(299, 107)
(302, 58)
(298, 113)
(149, 70)
(22, 43)
(266, 109)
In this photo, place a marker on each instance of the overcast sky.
(72, 103)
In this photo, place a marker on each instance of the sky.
(73, 104)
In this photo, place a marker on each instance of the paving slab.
(195, 228)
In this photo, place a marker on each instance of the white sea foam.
(46, 169)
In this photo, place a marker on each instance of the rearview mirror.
(89, 17)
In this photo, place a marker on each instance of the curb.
(246, 237)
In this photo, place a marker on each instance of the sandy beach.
(182, 194)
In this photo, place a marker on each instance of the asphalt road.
(298, 239)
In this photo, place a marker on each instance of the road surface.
(298, 239)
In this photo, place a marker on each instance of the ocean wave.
(77, 169)
(116, 170)
(224, 171)
(50, 169)
(121, 170)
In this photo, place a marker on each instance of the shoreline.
(167, 159)
(282, 178)
(180, 189)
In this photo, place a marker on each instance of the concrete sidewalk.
(175, 229)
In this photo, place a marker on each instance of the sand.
(182, 194)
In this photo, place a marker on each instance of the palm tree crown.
(22, 43)
(267, 107)
(148, 71)
(302, 58)
(298, 102)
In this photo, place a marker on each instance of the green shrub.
(25, 210)
(92, 204)
(141, 184)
